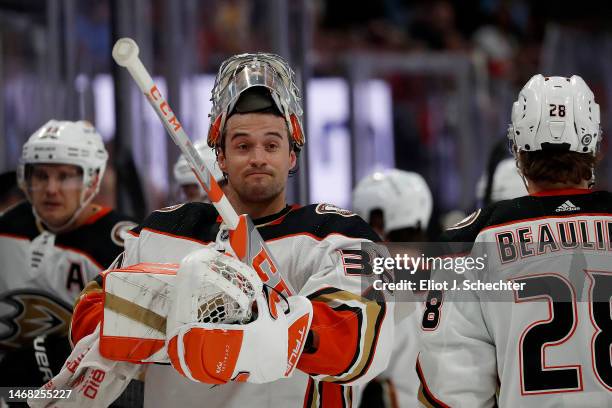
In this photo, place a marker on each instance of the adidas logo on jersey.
(567, 206)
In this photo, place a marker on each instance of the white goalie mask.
(404, 198)
(555, 112)
(183, 173)
(66, 142)
(244, 71)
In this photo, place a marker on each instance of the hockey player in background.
(256, 131)
(10, 194)
(544, 342)
(396, 203)
(51, 245)
(191, 190)
(400, 203)
(505, 184)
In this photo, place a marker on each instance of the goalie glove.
(261, 351)
(204, 346)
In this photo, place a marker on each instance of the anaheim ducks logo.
(332, 209)
(171, 208)
(25, 314)
(466, 221)
(119, 230)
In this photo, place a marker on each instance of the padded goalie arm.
(345, 331)
(88, 311)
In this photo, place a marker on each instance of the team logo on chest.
(25, 314)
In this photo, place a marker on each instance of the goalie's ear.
(292, 159)
(221, 160)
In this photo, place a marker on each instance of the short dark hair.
(557, 166)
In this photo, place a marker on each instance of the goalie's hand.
(263, 350)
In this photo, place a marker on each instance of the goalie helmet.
(242, 72)
(183, 173)
(403, 197)
(555, 113)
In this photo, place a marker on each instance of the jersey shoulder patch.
(468, 228)
(325, 208)
(466, 221)
(119, 230)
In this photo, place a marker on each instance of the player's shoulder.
(532, 207)
(323, 220)
(190, 220)
(101, 236)
(500, 212)
(111, 226)
(19, 220)
(551, 204)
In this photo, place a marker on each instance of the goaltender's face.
(55, 192)
(257, 156)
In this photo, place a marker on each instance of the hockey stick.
(245, 240)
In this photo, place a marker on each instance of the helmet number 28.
(557, 110)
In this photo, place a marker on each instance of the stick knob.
(125, 51)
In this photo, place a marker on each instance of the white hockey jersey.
(318, 250)
(543, 342)
(42, 274)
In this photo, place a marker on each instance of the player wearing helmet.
(506, 183)
(190, 188)
(396, 203)
(51, 245)
(345, 338)
(400, 204)
(544, 342)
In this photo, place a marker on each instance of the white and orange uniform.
(316, 248)
(544, 344)
(43, 273)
